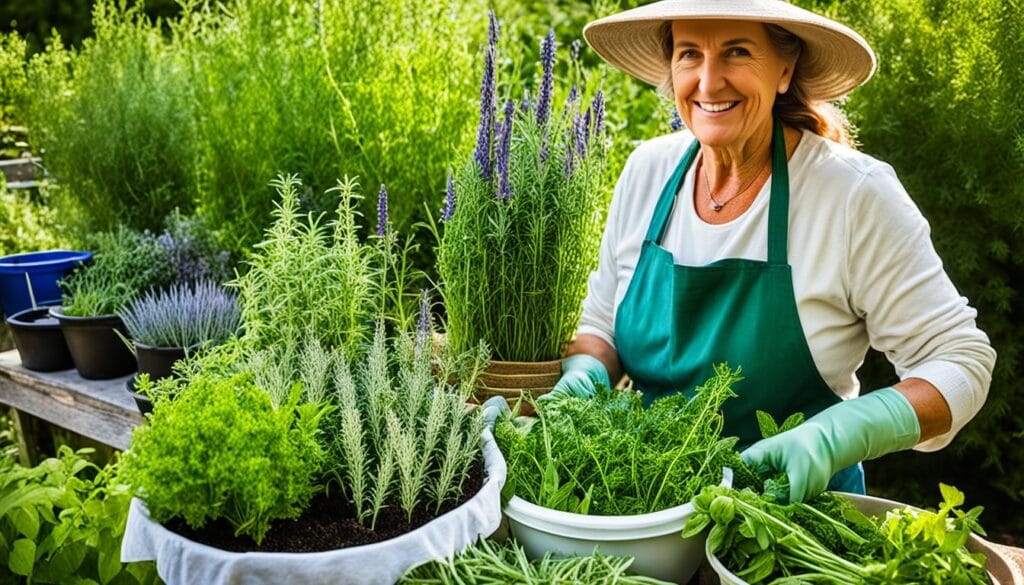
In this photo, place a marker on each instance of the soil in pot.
(98, 352)
(329, 523)
(39, 341)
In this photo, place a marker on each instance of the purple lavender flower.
(423, 323)
(547, 63)
(676, 124)
(382, 211)
(503, 152)
(488, 102)
(449, 201)
(580, 129)
(574, 51)
(574, 93)
(598, 106)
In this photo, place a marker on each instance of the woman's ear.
(787, 76)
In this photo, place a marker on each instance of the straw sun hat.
(834, 61)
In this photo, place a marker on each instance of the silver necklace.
(715, 205)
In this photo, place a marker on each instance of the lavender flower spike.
(488, 102)
(574, 51)
(581, 127)
(677, 123)
(449, 201)
(597, 105)
(382, 211)
(547, 62)
(503, 152)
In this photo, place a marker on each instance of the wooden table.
(101, 410)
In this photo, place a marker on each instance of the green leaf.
(696, 523)
(64, 563)
(109, 564)
(26, 521)
(951, 496)
(794, 420)
(767, 424)
(716, 537)
(23, 557)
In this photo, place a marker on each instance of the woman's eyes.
(730, 52)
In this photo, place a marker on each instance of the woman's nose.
(711, 76)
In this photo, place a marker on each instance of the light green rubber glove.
(581, 375)
(839, 436)
(494, 408)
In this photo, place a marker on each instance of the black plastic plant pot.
(39, 340)
(98, 352)
(157, 361)
(141, 400)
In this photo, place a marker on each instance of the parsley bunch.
(608, 455)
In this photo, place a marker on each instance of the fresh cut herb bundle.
(608, 455)
(827, 540)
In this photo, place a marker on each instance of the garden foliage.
(25, 224)
(310, 276)
(113, 121)
(488, 562)
(223, 450)
(402, 435)
(522, 219)
(828, 541)
(608, 455)
(125, 263)
(62, 522)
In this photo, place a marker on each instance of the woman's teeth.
(717, 107)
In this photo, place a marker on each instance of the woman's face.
(725, 76)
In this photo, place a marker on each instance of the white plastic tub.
(180, 561)
(873, 506)
(654, 540)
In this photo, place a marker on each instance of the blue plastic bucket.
(24, 277)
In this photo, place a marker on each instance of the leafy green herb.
(609, 455)
(222, 450)
(62, 522)
(125, 264)
(828, 541)
(487, 562)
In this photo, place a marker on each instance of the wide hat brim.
(835, 59)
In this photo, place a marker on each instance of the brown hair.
(793, 108)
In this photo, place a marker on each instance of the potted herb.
(521, 229)
(126, 263)
(373, 466)
(164, 325)
(607, 473)
(844, 538)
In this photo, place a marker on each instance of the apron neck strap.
(778, 207)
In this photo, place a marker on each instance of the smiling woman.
(761, 238)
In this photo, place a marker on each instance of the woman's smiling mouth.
(715, 107)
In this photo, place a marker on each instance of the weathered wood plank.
(99, 409)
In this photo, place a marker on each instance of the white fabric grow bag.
(181, 561)
(653, 540)
(873, 506)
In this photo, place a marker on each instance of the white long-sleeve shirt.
(864, 269)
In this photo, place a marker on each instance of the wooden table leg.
(35, 442)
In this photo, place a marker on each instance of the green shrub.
(944, 109)
(222, 450)
(125, 264)
(308, 277)
(316, 89)
(62, 522)
(113, 122)
(26, 226)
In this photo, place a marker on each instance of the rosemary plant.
(183, 316)
(309, 278)
(522, 220)
(402, 439)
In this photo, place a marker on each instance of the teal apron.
(676, 322)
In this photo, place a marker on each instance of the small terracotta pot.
(516, 380)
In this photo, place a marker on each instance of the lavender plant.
(521, 223)
(192, 245)
(183, 316)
